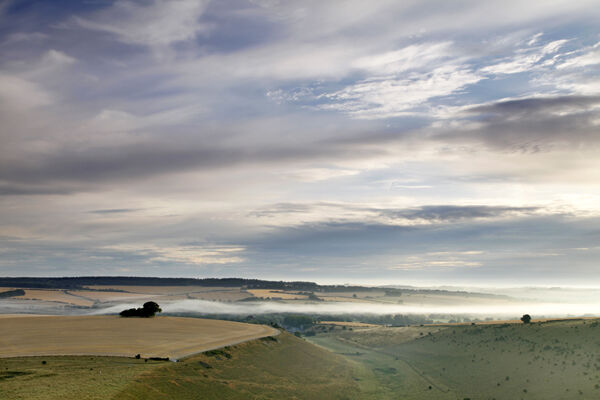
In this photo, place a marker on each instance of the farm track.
(433, 382)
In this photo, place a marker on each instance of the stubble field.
(111, 335)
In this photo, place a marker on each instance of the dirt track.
(171, 337)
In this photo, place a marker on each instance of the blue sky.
(348, 141)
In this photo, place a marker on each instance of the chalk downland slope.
(281, 367)
(549, 360)
(172, 337)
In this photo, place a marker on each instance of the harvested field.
(164, 290)
(370, 294)
(221, 295)
(106, 296)
(276, 294)
(58, 296)
(3, 316)
(347, 299)
(171, 337)
(346, 323)
(433, 299)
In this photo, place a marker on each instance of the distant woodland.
(12, 293)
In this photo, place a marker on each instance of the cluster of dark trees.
(149, 309)
(81, 281)
(12, 293)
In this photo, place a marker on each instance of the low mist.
(511, 310)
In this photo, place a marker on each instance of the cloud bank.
(416, 142)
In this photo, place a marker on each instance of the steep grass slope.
(549, 360)
(281, 367)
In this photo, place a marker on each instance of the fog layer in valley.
(345, 308)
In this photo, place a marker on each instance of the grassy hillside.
(284, 367)
(269, 368)
(68, 377)
(551, 360)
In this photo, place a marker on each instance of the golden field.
(52, 295)
(221, 295)
(172, 337)
(266, 293)
(106, 296)
(348, 323)
(160, 290)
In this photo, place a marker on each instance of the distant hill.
(79, 282)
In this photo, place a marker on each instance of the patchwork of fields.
(542, 360)
(100, 296)
(76, 301)
(92, 356)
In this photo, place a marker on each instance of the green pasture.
(551, 360)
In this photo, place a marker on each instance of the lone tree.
(149, 309)
(526, 318)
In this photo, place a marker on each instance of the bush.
(526, 318)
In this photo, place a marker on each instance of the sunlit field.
(169, 337)
(268, 368)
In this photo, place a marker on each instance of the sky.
(414, 142)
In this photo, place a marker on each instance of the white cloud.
(18, 37)
(525, 61)
(109, 120)
(391, 97)
(193, 254)
(158, 23)
(49, 66)
(322, 174)
(575, 83)
(535, 39)
(436, 264)
(57, 58)
(199, 255)
(592, 57)
(22, 94)
(576, 72)
(440, 259)
(369, 61)
(410, 57)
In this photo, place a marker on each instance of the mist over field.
(508, 310)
